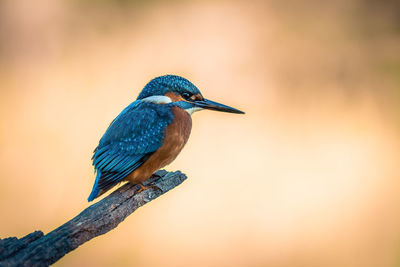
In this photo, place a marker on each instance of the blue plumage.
(168, 83)
(139, 130)
(130, 139)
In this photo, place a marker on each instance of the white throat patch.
(157, 99)
(192, 110)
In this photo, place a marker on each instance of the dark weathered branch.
(37, 249)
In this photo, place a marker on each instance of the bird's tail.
(96, 190)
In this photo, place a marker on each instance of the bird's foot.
(151, 185)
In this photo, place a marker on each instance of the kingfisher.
(149, 133)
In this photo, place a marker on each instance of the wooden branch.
(37, 249)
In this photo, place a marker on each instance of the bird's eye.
(186, 95)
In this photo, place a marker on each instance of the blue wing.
(129, 141)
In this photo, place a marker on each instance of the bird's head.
(172, 88)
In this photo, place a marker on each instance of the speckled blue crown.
(168, 83)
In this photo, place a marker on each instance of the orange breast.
(176, 136)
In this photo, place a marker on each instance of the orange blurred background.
(308, 177)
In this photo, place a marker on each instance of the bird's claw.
(155, 187)
(151, 185)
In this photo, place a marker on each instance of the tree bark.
(37, 249)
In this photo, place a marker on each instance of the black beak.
(208, 104)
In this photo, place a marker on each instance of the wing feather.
(131, 138)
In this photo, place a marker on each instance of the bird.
(149, 133)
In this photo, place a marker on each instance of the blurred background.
(308, 177)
